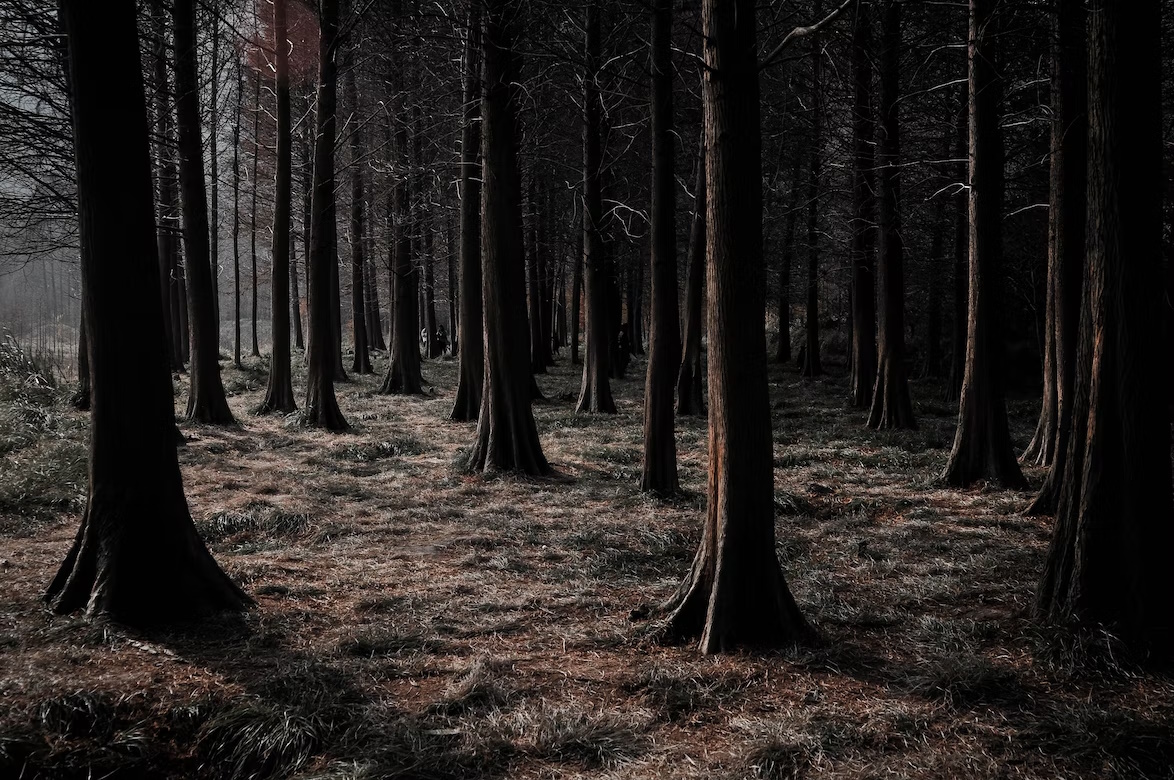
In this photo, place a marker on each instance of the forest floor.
(413, 621)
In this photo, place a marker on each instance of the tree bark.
(321, 409)
(206, 400)
(892, 406)
(362, 361)
(279, 394)
(137, 558)
(664, 343)
(507, 436)
(595, 393)
(253, 207)
(961, 253)
(735, 594)
(236, 215)
(812, 366)
(864, 349)
(168, 206)
(1107, 568)
(982, 444)
(471, 323)
(690, 389)
(403, 372)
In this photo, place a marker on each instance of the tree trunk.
(812, 366)
(507, 436)
(337, 368)
(168, 207)
(636, 308)
(892, 406)
(539, 345)
(295, 302)
(236, 215)
(595, 394)
(664, 343)
(690, 390)
(253, 208)
(206, 400)
(81, 396)
(783, 348)
(735, 594)
(362, 362)
(403, 372)
(451, 274)
(137, 558)
(863, 357)
(279, 395)
(1108, 568)
(961, 254)
(214, 163)
(472, 355)
(982, 445)
(429, 254)
(577, 298)
(321, 404)
(1068, 197)
(371, 299)
(933, 317)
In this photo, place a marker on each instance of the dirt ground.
(416, 622)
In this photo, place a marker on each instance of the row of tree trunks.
(1066, 223)
(664, 361)
(892, 406)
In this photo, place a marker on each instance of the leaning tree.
(137, 557)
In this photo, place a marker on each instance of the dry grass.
(417, 622)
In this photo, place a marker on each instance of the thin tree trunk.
(539, 349)
(295, 302)
(214, 160)
(472, 369)
(206, 400)
(595, 393)
(236, 215)
(690, 390)
(168, 207)
(279, 395)
(81, 396)
(812, 366)
(664, 347)
(863, 357)
(783, 348)
(892, 406)
(735, 594)
(507, 436)
(982, 445)
(321, 404)
(961, 254)
(577, 297)
(362, 362)
(253, 207)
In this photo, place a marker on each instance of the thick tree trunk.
(736, 595)
(863, 357)
(664, 346)
(507, 436)
(321, 404)
(1108, 567)
(403, 372)
(472, 355)
(812, 365)
(690, 389)
(982, 445)
(137, 558)
(595, 394)
(1069, 206)
(279, 395)
(206, 400)
(892, 406)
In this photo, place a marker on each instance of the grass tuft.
(254, 740)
